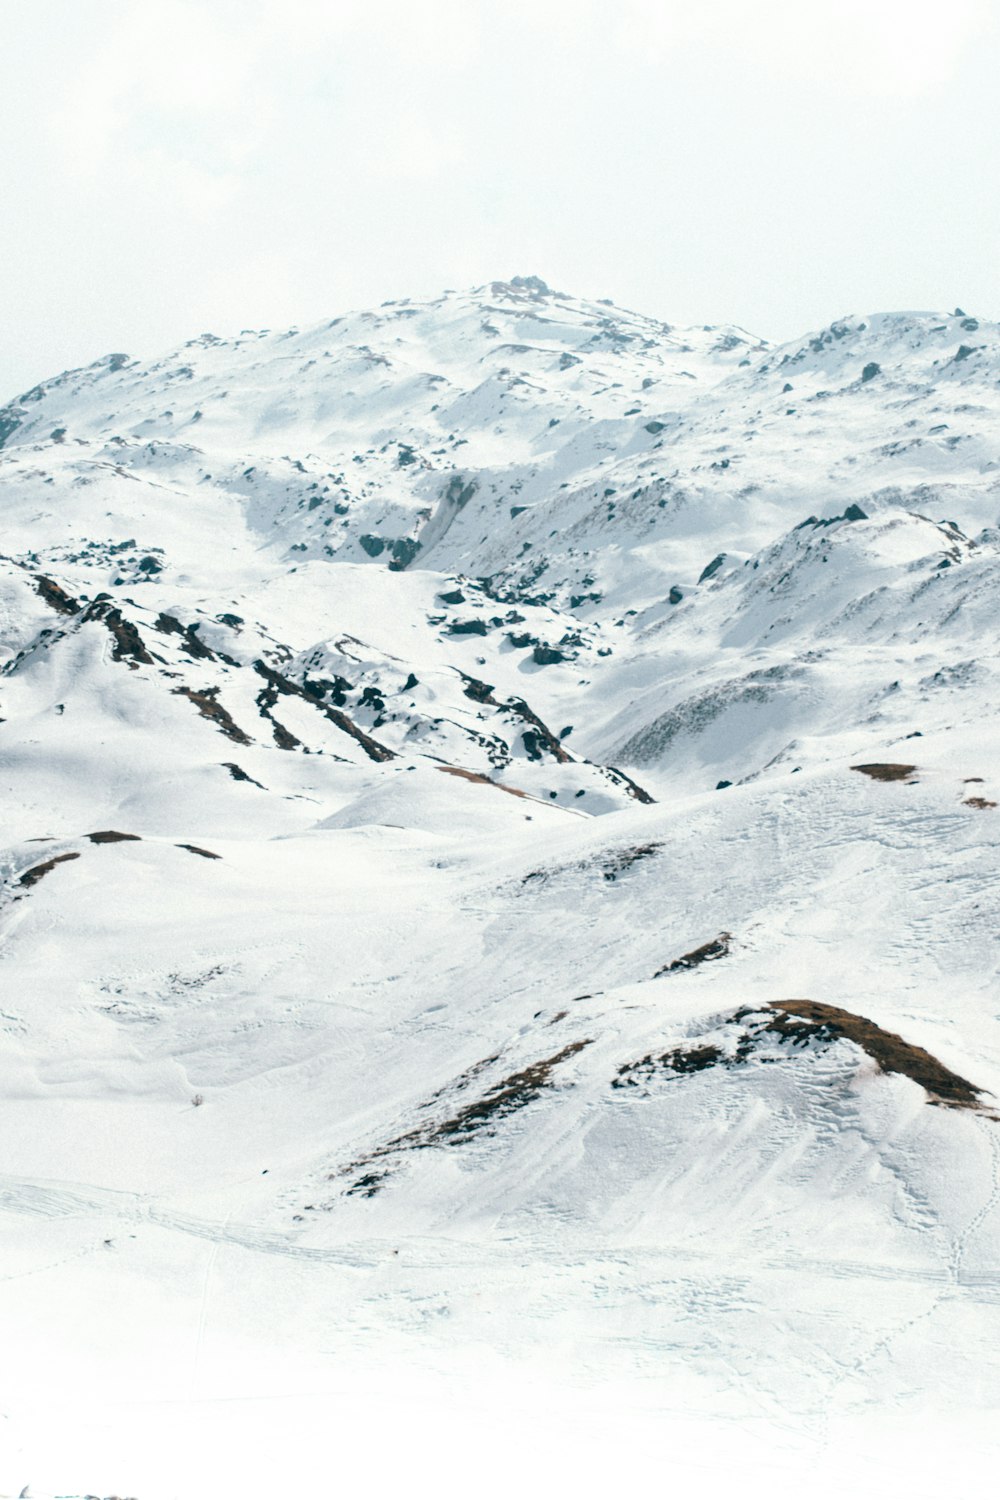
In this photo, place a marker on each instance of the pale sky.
(172, 167)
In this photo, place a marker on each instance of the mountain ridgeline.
(643, 533)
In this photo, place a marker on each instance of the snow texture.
(498, 911)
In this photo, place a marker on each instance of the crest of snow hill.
(458, 672)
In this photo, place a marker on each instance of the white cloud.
(434, 34)
(891, 48)
(408, 147)
(169, 70)
(190, 91)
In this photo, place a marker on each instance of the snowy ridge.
(504, 783)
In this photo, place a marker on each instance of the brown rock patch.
(717, 948)
(194, 849)
(35, 874)
(799, 1019)
(886, 771)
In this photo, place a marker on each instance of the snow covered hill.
(500, 829)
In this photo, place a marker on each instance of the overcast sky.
(177, 166)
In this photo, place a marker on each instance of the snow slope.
(500, 826)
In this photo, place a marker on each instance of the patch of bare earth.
(632, 787)
(512, 791)
(616, 864)
(276, 685)
(127, 644)
(190, 642)
(800, 1023)
(800, 1019)
(238, 774)
(38, 872)
(886, 771)
(717, 948)
(677, 1060)
(55, 596)
(512, 1093)
(206, 704)
(494, 1104)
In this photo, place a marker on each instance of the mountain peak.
(522, 287)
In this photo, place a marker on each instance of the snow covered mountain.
(500, 827)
